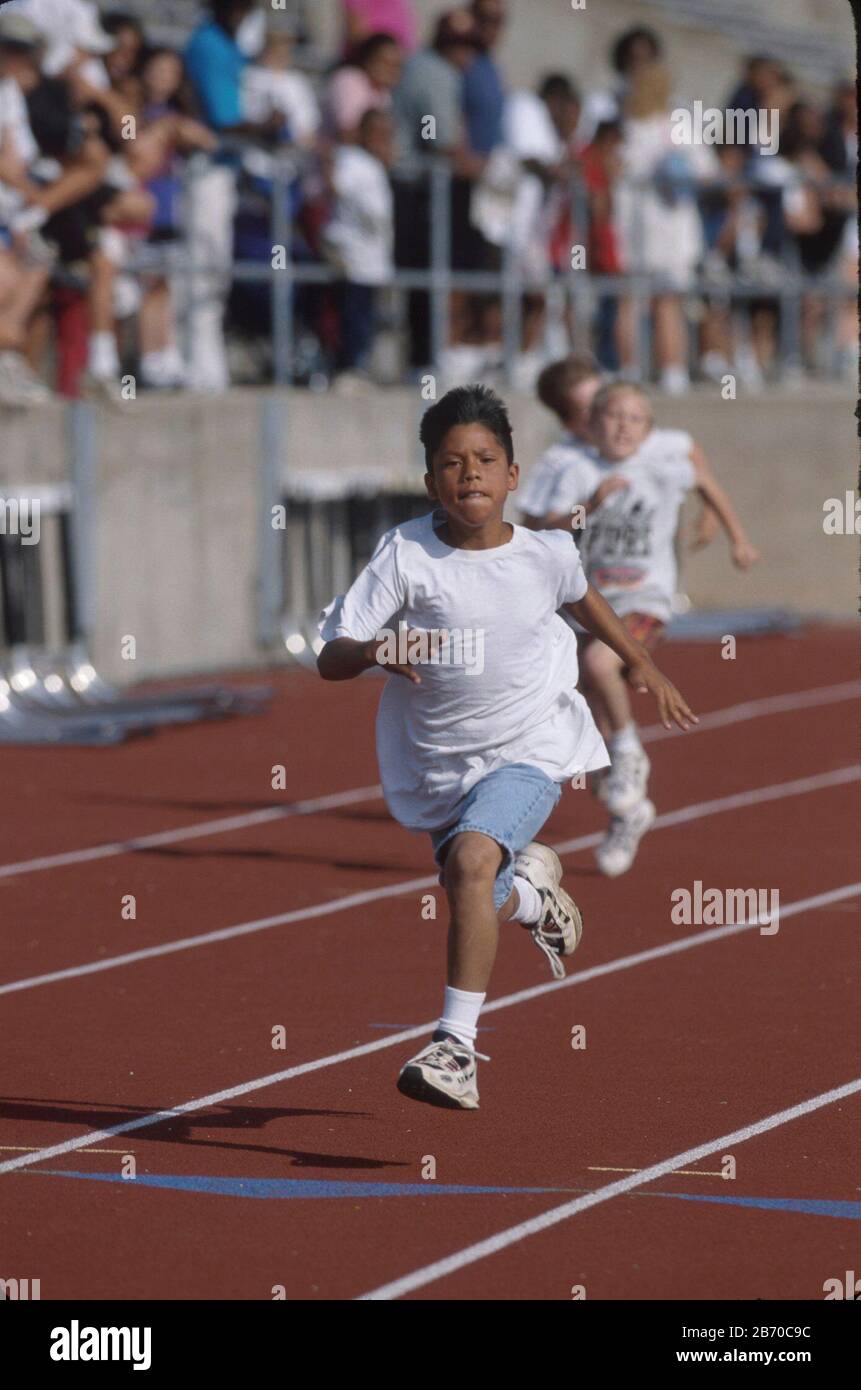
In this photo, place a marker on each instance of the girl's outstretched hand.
(703, 530)
(645, 677)
(744, 554)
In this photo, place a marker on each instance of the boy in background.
(359, 239)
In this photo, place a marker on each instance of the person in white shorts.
(622, 497)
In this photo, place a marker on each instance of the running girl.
(631, 488)
(478, 759)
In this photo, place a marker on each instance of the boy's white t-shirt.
(361, 231)
(513, 697)
(628, 543)
(267, 90)
(540, 486)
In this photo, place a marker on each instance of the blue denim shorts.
(510, 806)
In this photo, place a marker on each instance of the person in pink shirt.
(364, 84)
(361, 18)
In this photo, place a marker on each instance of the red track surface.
(681, 1049)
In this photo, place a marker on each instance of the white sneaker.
(618, 849)
(19, 386)
(559, 928)
(624, 786)
(675, 381)
(443, 1073)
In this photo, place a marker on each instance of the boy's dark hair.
(370, 47)
(370, 118)
(624, 45)
(555, 85)
(115, 20)
(607, 129)
(558, 378)
(465, 405)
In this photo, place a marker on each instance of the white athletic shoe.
(618, 849)
(559, 928)
(624, 786)
(443, 1073)
(19, 386)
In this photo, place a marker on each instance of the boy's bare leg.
(602, 670)
(471, 867)
(21, 288)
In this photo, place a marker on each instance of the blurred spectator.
(601, 169)
(215, 61)
(165, 133)
(74, 38)
(432, 86)
(271, 85)
(122, 63)
(534, 219)
(483, 86)
(362, 18)
(429, 120)
(23, 278)
(840, 152)
(659, 227)
(815, 207)
(632, 51)
(839, 147)
(762, 78)
(359, 239)
(75, 193)
(364, 84)
(538, 132)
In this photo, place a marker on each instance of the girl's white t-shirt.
(628, 543)
(505, 688)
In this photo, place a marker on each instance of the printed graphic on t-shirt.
(620, 533)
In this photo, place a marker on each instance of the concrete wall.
(175, 520)
(176, 534)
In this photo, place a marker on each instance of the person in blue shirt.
(483, 88)
(214, 62)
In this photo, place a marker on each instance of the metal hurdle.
(50, 690)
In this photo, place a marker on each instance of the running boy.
(631, 488)
(475, 751)
(567, 388)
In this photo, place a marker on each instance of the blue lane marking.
(303, 1188)
(808, 1206)
(296, 1187)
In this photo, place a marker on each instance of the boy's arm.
(744, 553)
(595, 614)
(344, 658)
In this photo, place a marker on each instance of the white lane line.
(758, 709)
(654, 733)
(514, 1234)
(421, 1030)
(193, 832)
(698, 811)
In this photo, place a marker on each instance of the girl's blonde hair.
(613, 388)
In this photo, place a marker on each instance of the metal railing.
(573, 295)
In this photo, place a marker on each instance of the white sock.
(627, 740)
(103, 360)
(528, 908)
(460, 1012)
